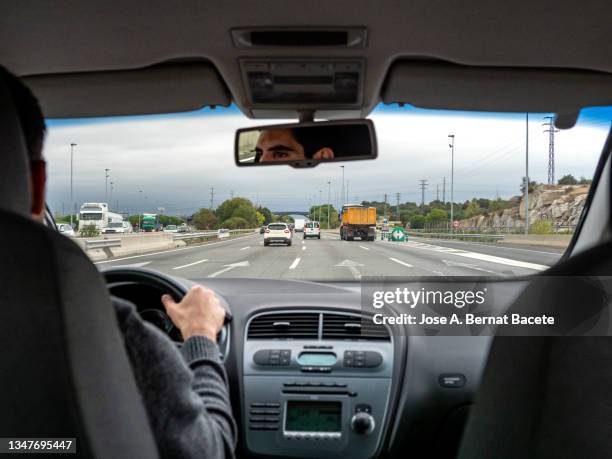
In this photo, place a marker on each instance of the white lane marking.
(352, 266)
(200, 246)
(295, 263)
(191, 264)
(135, 265)
(364, 248)
(503, 261)
(230, 266)
(468, 266)
(303, 242)
(478, 256)
(244, 248)
(304, 248)
(408, 265)
(501, 246)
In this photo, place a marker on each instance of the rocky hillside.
(559, 204)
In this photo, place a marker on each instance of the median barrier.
(558, 241)
(120, 245)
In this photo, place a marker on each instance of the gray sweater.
(184, 389)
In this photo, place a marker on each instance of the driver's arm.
(185, 390)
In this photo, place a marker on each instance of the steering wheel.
(117, 277)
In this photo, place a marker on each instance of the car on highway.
(66, 229)
(127, 227)
(170, 229)
(312, 229)
(278, 232)
(184, 228)
(485, 127)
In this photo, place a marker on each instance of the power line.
(397, 196)
(551, 148)
(423, 185)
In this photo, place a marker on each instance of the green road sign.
(398, 234)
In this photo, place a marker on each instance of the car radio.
(321, 397)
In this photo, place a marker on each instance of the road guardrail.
(459, 236)
(102, 244)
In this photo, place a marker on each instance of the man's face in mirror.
(282, 145)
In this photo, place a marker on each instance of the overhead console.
(316, 382)
(303, 83)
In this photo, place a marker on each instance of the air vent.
(285, 326)
(341, 326)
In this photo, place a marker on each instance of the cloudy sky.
(176, 159)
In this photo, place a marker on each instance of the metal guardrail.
(210, 234)
(102, 244)
(458, 236)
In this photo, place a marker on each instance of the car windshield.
(447, 195)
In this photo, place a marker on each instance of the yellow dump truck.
(358, 221)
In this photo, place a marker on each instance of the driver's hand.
(198, 314)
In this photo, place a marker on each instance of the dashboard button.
(257, 405)
(272, 405)
(452, 380)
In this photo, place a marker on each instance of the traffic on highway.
(343, 230)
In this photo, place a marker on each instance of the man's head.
(287, 144)
(33, 128)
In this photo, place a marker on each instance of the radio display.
(324, 359)
(307, 416)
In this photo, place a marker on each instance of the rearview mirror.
(306, 144)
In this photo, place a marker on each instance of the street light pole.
(72, 145)
(342, 199)
(106, 176)
(526, 173)
(110, 201)
(320, 204)
(328, 201)
(452, 147)
(139, 212)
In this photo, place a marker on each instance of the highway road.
(330, 259)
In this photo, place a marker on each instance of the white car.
(65, 229)
(170, 229)
(278, 232)
(312, 229)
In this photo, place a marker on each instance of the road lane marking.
(364, 248)
(502, 261)
(352, 266)
(191, 264)
(230, 266)
(295, 263)
(303, 242)
(478, 256)
(304, 248)
(244, 248)
(135, 265)
(408, 265)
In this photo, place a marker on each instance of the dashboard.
(312, 376)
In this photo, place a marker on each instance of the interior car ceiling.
(113, 35)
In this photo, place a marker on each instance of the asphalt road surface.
(330, 259)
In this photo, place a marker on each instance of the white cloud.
(176, 161)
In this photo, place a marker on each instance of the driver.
(287, 144)
(184, 388)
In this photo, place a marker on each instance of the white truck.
(93, 213)
(299, 225)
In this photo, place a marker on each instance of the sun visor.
(492, 89)
(160, 89)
